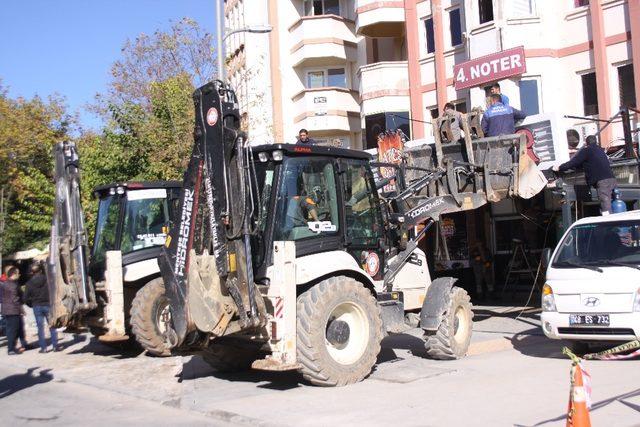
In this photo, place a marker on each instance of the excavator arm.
(70, 288)
(206, 263)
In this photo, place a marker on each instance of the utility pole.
(219, 31)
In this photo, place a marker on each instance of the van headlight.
(548, 301)
(636, 302)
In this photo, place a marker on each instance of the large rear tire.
(451, 340)
(150, 316)
(339, 329)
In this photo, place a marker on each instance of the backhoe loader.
(293, 257)
(101, 287)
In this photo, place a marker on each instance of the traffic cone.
(579, 398)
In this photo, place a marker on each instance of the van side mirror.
(546, 258)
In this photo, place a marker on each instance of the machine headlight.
(636, 302)
(548, 301)
(264, 157)
(277, 155)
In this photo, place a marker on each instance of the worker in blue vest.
(500, 119)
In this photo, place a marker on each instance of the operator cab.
(132, 218)
(322, 198)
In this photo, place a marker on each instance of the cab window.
(307, 203)
(144, 222)
(362, 211)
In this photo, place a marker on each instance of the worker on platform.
(454, 118)
(303, 138)
(495, 89)
(500, 119)
(597, 170)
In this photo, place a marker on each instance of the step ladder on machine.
(519, 269)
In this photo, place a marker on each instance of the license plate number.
(589, 319)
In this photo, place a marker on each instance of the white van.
(592, 289)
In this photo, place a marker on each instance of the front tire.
(339, 329)
(150, 316)
(451, 340)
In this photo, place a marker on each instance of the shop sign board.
(490, 68)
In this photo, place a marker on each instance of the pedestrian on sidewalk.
(37, 297)
(597, 171)
(12, 310)
(303, 138)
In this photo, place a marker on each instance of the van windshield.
(600, 244)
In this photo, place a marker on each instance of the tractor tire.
(451, 340)
(229, 357)
(149, 316)
(339, 329)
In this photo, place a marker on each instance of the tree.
(148, 110)
(28, 130)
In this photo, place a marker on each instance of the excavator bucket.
(70, 289)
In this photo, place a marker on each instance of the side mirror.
(546, 258)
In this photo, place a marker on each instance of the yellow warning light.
(546, 290)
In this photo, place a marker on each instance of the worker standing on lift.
(597, 170)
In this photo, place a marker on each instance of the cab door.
(364, 233)
(307, 206)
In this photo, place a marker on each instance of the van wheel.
(451, 340)
(339, 329)
(150, 318)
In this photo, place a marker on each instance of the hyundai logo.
(591, 302)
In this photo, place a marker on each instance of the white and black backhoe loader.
(97, 287)
(288, 257)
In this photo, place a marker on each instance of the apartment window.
(529, 99)
(431, 41)
(455, 27)
(521, 8)
(580, 3)
(336, 77)
(627, 86)
(322, 7)
(315, 79)
(333, 77)
(589, 94)
(485, 7)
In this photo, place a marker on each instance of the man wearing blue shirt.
(495, 89)
(500, 119)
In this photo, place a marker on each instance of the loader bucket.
(494, 169)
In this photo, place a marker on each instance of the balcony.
(384, 86)
(380, 18)
(326, 111)
(322, 40)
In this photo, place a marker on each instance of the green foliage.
(148, 112)
(28, 131)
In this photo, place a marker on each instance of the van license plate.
(589, 319)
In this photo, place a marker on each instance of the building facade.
(348, 69)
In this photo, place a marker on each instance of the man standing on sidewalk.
(597, 171)
(37, 297)
(12, 309)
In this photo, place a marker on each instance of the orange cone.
(579, 398)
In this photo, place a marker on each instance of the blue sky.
(68, 46)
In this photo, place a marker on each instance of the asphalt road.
(513, 376)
